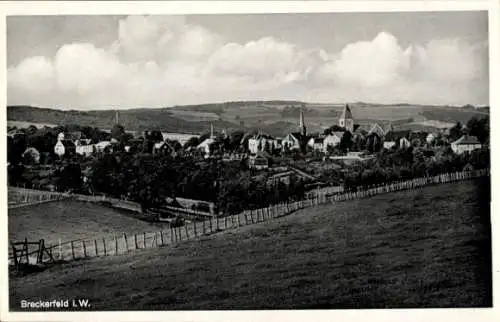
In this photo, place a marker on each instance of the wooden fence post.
(104, 246)
(161, 237)
(96, 251)
(186, 230)
(84, 249)
(194, 225)
(14, 253)
(26, 250)
(135, 241)
(116, 245)
(72, 250)
(171, 235)
(144, 239)
(126, 241)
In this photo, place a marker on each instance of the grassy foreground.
(425, 248)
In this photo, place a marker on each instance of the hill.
(246, 115)
(423, 248)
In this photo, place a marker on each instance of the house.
(389, 144)
(261, 142)
(332, 140)
(259, 161)
(64, 147)
(404, 143)
(84, 149)
(101, 146)
(466, 143)
(296, 140)
(378, 130)
(163, 148)
(207, 145)
(346, 120)
(316, 143)
(293, 141)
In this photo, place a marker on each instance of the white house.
(332, 140)
(261, 142)
(465, 144)
(404, 143)
(85, 149)
(292, 141)
(316, 143)
(389, 144)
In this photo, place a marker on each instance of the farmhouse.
(332, 140)
(465, 144)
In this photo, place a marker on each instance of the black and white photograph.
(333, 160)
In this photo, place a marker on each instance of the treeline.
(396, 165)
(149, 180)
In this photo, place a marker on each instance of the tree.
(346, 142)
(117, 132)
(31, 156)
(455, 132)
(70, 178)
(479, 128)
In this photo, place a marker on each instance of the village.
(208, 172)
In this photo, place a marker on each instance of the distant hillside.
(133, 120)
(274, 117)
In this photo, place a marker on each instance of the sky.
(102, 62)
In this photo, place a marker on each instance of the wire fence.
(125, 243)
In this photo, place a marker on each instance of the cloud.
(163, 60)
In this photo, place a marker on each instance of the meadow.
(428, 247)
(72, 220)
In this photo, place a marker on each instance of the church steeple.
(302, 124)
(346, 120)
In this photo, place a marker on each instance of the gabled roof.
(346, 113)
(467, 139)
(377, 129)
(206, 142)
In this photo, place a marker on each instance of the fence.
(21, 253)
(130, 242)
(20, 197)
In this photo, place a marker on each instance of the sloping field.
(71, 220)
(424, 248)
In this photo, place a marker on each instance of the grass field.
(424, 248)
(71, 220)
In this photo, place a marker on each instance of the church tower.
(302, 124)
(346, 120)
